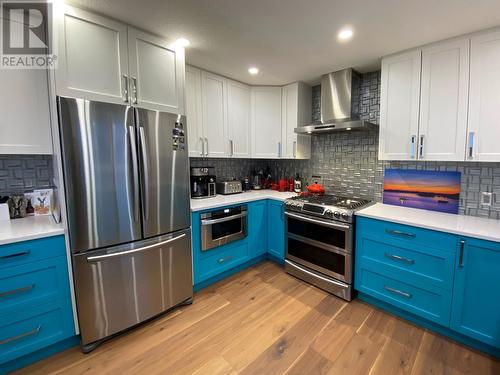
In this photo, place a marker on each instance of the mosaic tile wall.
(21, 173)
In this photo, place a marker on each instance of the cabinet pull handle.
(222, 260)
(399, 233)
(398, 292)
(22, 335)
(125, 88)
(470, 154)
(412, 149)
(421, 148)
(134, 90)
(18, 290)
(400, 258)
(206, 152)
(279, 149)
(294, 149)
(21, 253)
(231, 143)
(461, 256)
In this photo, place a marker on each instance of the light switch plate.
(486, 199)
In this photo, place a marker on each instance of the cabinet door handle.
(294, 149)
(22, 335)
(134, 90)
(18, 290)
(398, 292)
(125, 88)
(412, 146)
(223, 260)
(421, 148)
(231, 144)
(399, 233)
(279, 149)
(21, 253)
(470, 154)
(206, 152)
(399, 258)
(461, 256)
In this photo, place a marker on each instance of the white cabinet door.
(443, 101)
(399, 106)
(484, 98)
(92, 57)
(156, 72)
(193, 111)
(238, 117)
(266, 122)
(214, 115)
(296, 111)
(25, 119)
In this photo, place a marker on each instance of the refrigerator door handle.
(141, 249)
(145, 168)
(135, 171)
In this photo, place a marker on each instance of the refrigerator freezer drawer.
(119, 287)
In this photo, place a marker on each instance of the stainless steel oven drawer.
(223, 226)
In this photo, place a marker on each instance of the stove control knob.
(345, 216)
(336, 214)
(329, 213)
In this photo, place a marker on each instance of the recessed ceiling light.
(347, 128)
(182, 42)
(253, 70)
(345, 34)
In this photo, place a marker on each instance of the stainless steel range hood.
(339, 104)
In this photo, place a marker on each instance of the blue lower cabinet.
(257, 228)
(476, 295)
(276, 230)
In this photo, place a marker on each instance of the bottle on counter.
(297, 184)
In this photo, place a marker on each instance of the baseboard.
(455, 336)
(275, 259)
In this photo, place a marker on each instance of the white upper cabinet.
(266, 122)
(214, 114)
(238, 117)
(93, 61)
(443, 101)
(484, 99)
(296, 111)
(399, 106)
(193, 111)
(156, 72)
(25, 119)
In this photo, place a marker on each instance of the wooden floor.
(263, 321)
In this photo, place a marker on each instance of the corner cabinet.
(193, 112)
(238, 119)
(276, 230)
(104, 60)
(475, 310)
(266, 122)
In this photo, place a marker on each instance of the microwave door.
(101, 173)
(164, 174)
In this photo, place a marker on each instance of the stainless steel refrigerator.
(127, 190)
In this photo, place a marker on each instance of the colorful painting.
(427, 190)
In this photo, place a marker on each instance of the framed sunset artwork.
(427, 190)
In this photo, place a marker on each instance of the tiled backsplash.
(21, 173)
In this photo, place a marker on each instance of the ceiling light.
(345, 34)
(182, 42)
(347, 128)
(253, 70)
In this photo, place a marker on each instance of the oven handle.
(320, 222)
(205, 222)
(314, 274)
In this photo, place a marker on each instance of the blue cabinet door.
(476, 293)
(276, 230)
(257, 228)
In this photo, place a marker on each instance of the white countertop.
(28, 228)
(227, 200)
(470, 226)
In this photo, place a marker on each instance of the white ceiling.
(290, 40)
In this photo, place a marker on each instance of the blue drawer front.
(432, 305)
(219, 260)
(404, 235)
(28, 286)
(25, 332)
(415, 264)
(29, 251)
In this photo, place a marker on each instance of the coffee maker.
(203, 182)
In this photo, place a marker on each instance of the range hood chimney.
(339, 104)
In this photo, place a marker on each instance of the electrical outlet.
(486, 199)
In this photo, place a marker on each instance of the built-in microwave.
(223, 226)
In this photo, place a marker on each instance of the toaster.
(229, 187)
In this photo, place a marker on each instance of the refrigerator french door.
(127, 190)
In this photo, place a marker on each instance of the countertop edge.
(33, 236)
(239, 198)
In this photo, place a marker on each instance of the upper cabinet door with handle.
(156, 72)
(484, 98)
(399, 106)
(266, 122)
(93, 61)
(193, 112)
(238, 118)
(443, 101)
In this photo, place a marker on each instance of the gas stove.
(326, 206)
